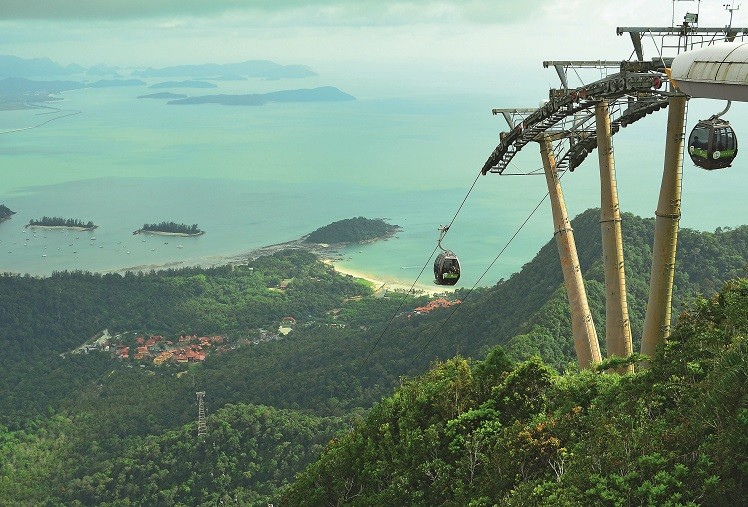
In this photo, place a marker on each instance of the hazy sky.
(478, 42)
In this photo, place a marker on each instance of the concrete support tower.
(617, 327)
(659, 306)
(582, 326)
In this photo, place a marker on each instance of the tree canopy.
(504, 427)
(352, 230)
(486, 432)
(172, 227)
(61, 222)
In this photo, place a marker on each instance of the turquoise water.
(254, 176)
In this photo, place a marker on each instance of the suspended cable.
(445, 229)
(454, 309)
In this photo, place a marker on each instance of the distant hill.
(352, 230)
(252, 68)
(14, 86)
(14, 66)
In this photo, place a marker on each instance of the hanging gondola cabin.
(446, 268)
(713, 144)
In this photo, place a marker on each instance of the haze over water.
(255, 176)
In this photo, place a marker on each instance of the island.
(66, 223)
(353, 230)
(170, 229)
(5, 213)
(321, 94)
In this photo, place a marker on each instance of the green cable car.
(713, 144)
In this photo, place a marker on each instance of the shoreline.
(165, 233)
(52, 227)
(327, 253)
(382, 284)
(330, 255)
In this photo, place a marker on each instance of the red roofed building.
(436, 303)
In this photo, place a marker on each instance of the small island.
(170, 229)
(5, 213)
(353, 230)
(66, 223)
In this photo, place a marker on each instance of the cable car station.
(574, 121)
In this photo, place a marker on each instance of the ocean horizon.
(256, 176)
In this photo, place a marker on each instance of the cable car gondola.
(713, 143)
(446, 265)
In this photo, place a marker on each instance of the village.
(188, 348)
(158, 350)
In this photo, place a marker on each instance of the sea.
(257, 176)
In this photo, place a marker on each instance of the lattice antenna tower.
(202, 427)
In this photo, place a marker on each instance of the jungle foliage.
(68, 422)
(352, 230)
(173, 227)
(487, 432)
(61, 222)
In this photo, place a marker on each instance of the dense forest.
(172, 227)
(72, 426)
(62, 222)
(353, 230)
(488, 432)
(5, 212)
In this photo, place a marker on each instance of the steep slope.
(485, 433)
(529, 312)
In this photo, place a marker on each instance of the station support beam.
(617, 326)
(582, 326)
(659, 306)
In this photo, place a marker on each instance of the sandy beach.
(382, 285)
(327, 253)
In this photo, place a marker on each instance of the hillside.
(529, 312)
(483, 433)
(346, 351)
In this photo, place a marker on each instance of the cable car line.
(501, 252)
(402, 301)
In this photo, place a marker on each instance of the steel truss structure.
(636, 88)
